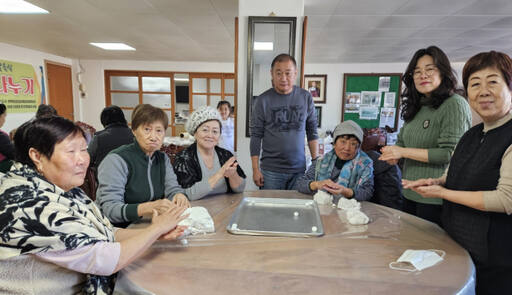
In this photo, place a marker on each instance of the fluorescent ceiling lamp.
(180, 79)
(263, 46)
(113, 46)
(19, 7)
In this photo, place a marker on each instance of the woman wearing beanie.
(345, 171)
(204, 168)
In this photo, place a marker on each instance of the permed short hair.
(43, 134)
(147, 114)
(491, 59)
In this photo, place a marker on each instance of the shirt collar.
(501, 121)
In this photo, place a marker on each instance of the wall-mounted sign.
(19, 87)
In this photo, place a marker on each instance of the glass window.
(157, 84)
(229, 86)
(214, 100)
(215, 86)
(199, 85)
(124, 83)
(198, 101)
(125, 99)
(158, 100)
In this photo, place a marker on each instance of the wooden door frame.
(47, 88)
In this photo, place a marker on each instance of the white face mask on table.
(419, 259)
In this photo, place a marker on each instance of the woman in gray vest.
(477, 188)
(135, 179)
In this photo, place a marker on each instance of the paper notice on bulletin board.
(368, 113)
(387, 117)
(389, 99)
(384, 83)
(353, 100)
(370, 98)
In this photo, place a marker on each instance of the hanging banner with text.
(19, 87)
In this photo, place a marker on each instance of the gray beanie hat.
(199, 116)
(348, 128)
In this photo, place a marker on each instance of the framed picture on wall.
(317, 86)
(318, 111)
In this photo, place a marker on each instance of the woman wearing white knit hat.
(204, 168)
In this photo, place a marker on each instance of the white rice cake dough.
(347, 204)
(199, 221)
(323, 198)
(356, 217)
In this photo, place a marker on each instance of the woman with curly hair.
(435, 119)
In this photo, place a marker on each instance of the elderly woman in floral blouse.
(53, 238)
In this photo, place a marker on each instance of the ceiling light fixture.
(113, 46)
(20, 7)
(181, 79)
(263, 46)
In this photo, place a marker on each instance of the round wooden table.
(346, 260)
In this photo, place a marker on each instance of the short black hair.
(224, 102)
(42, 134)
(282, 58)
(3, 108)
(45, 110)
(112, 114)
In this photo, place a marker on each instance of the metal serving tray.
(276, 217)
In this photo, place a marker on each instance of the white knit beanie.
(199, 116)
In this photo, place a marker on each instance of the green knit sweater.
(438, 131)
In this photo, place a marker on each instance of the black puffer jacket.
(188, 170)
(388, 183)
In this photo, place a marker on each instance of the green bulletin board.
(360, 99)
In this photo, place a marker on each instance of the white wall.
(93, 78)
(34, 58)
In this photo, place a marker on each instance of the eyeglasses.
(429, 71)
(206, 130)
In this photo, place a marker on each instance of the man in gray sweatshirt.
(281, 117)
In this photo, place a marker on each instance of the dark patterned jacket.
(188, 170)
